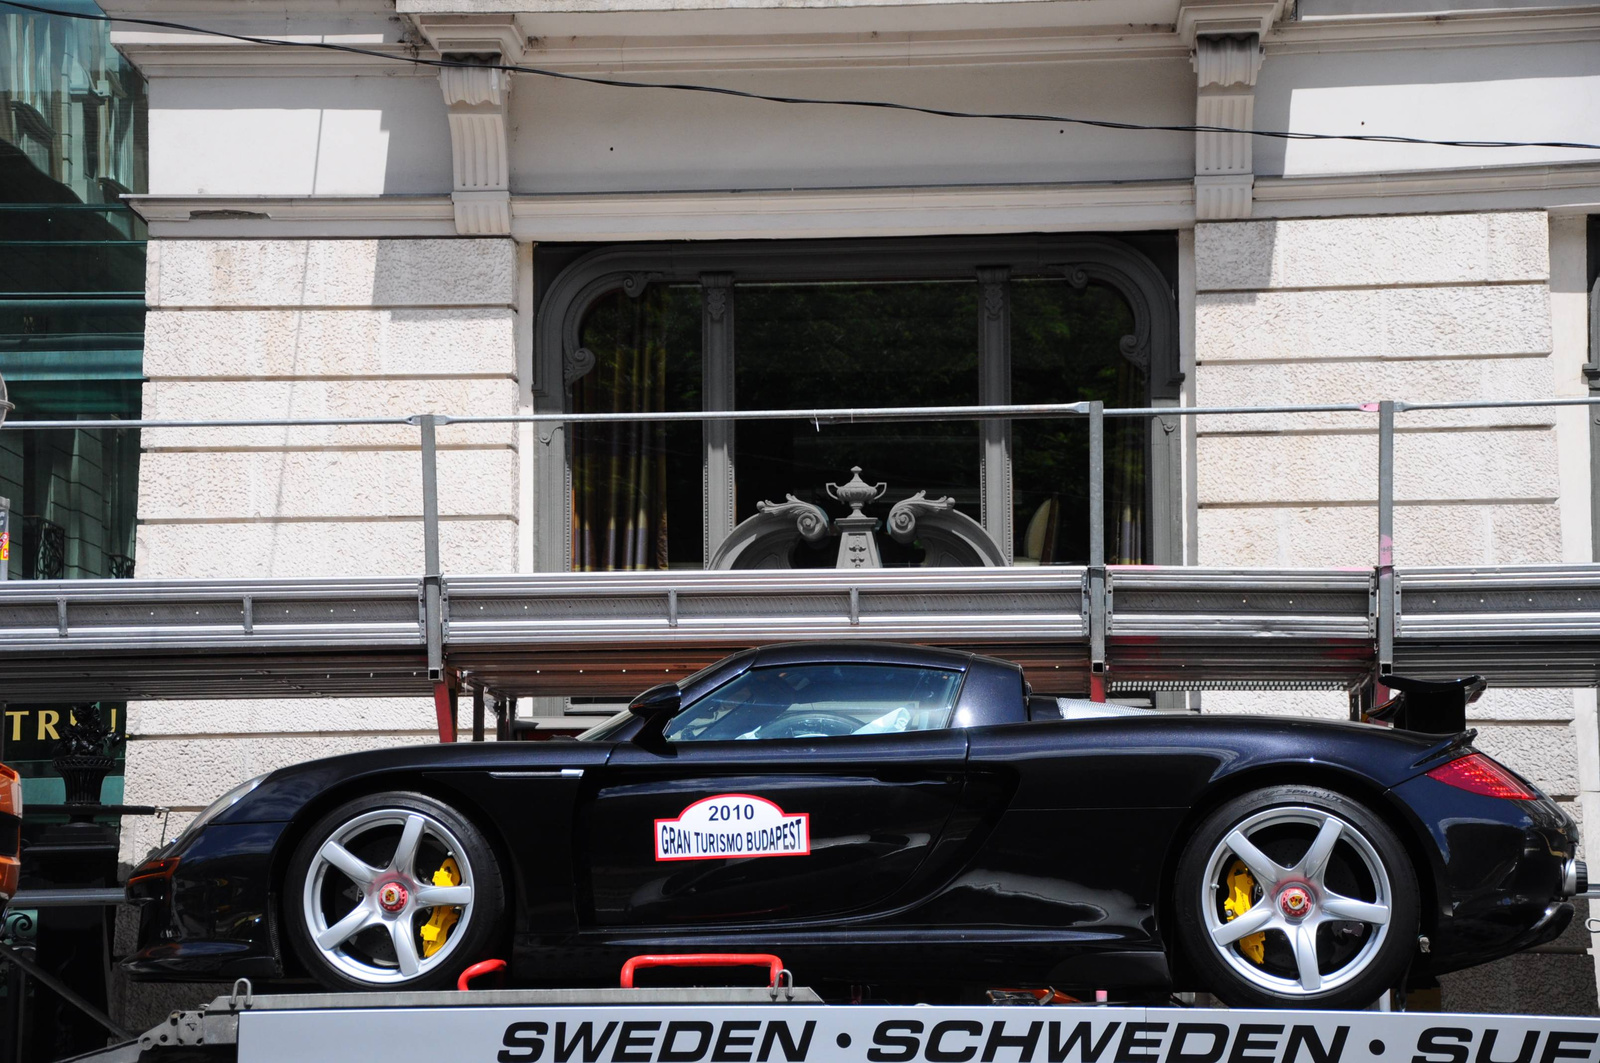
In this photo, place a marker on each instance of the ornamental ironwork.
(946, 536)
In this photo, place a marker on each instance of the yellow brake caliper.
(437, 928)
(1241, 898)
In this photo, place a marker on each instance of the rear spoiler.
(1427, 706)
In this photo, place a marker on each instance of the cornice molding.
(833, 213)
(1555, 186)
(167, 54)
(1465, 29)
(871, 212)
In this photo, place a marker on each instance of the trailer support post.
(1096, 574)
(1386, 604)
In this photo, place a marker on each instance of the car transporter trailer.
(783, 1023)
(1161, 628)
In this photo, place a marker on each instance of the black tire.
(1368, 870)
(321, 897)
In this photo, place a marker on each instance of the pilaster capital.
(1223, 18)
(1227, 62)
(453, 36)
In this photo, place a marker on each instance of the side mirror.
(658, 703)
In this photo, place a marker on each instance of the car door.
(791, 793)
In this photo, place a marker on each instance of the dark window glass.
(1066, 347)
(803, 346)
(636, 487)
(820, 701)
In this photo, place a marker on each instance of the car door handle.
(546, 773)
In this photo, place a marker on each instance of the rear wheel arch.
(1348, 784)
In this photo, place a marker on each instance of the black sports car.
(908, 819)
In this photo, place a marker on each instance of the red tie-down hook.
(773, 965)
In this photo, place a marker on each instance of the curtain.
(619, 471)
(1126, 454)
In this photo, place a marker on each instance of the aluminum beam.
(614, 633)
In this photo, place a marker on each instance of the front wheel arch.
(364, 786)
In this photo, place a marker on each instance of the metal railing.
(1343, 622)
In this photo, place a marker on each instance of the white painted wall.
(582, 138)
(299, 136)
(1536, 92)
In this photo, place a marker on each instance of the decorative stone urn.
(947, 537)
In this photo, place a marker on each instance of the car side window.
(820, 701)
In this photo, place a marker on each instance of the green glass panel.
(73, 140)
(803, 346)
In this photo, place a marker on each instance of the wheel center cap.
(1295, 902)
(392, 896)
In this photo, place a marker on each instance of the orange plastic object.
(477, 969)
(10, 832)
(773, 965)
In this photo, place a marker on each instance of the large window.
(806, 326)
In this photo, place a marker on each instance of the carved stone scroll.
(948, 537)
(767, 540)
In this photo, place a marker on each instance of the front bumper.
(208, 916)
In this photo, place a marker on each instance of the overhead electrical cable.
(807, 101)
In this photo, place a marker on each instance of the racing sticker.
(733, 825)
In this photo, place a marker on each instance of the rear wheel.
(392, 890)
(1296, 896)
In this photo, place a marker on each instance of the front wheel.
(1296, 896)
(392, 891)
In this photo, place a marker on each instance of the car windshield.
(820, 701)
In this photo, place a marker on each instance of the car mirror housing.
(658, 703)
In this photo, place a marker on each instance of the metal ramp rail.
(1172, 628)
(1105, 628)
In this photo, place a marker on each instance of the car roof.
(860, 652)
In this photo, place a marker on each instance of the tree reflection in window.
(1066, 347)
(849, 345)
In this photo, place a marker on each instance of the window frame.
(717, 268)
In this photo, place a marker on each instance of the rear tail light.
(1478, 774)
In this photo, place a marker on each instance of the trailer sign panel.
(807, 1033)
(732, 825)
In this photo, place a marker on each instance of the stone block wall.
(326, 329)
(1416, 308)
(1443, 307)
(251, 329)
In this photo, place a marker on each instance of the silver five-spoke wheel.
(1330, 936)
(1296, 896)
(388, 895)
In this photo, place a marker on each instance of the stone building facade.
(352, 235)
